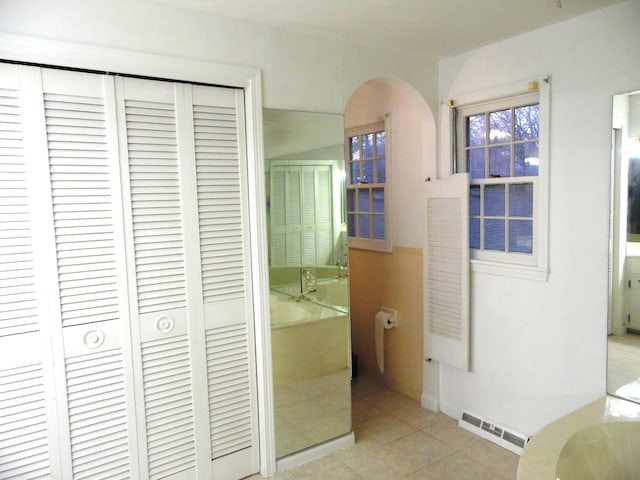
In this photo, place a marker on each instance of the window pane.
(378, 200)
(367, 145)
(521, 200)
(364, 224)
(494, 200)
(500, 161)
(526, 159)
(378, 227)
(474, 200)
(355, 150)
(521, 236)
(367, 172)
(500, 126)
(475, 158)
(527, 122)
(351, 225)
(355, 173)
(363, 200)
(494, 234)
(381, 144)
(474, 233)
(351, 200)
(381, 170)
(476, 130)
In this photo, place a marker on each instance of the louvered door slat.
(97, 413)
(168, 406)
(18, 312)
(84, 180)
(24, 451)
(219, 206)
(229, 389)
(157, 220)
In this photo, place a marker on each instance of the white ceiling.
(439, 27)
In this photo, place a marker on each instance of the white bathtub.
(308, 340)
(331, 292)
(599, 441)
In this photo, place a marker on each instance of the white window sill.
(527, 272)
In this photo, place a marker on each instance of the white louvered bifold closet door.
(218, 121)
(301, 215)
(159, 286)
(79, 113)
(24, 433)
(188, 215)
(446, 271)
(317, 218)
(126, 341)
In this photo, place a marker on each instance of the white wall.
(300, 71)
(542, 352)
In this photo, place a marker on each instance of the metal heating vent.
(510, 440)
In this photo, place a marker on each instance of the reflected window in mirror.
(368, 187)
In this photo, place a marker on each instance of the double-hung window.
(368, 187)
(501, 144)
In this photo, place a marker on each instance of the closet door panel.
(156, 219)
(224, 254)
(24, 430)
(79, 113)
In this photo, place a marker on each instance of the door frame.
(100, 59)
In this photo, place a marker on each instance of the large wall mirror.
(309, 299)
(623, 365)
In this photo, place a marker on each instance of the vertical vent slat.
(443, 222)
(168, 402)
(155, 202)
(229, 389)
(219, 204)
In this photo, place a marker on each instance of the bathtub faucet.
(342, 269)
(307, 281)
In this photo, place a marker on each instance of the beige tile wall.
(393, 280)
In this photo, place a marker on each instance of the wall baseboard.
(313, 453)
(450, 410)
(430, 403)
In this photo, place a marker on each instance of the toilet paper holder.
(385, 319)
(392, 320)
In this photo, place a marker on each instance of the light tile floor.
(623, 366)
(398, 439)
(623, 360)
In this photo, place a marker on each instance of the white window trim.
(386, 245)
(538, 268)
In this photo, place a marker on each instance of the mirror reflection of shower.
(308, 252)
(623, 364)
